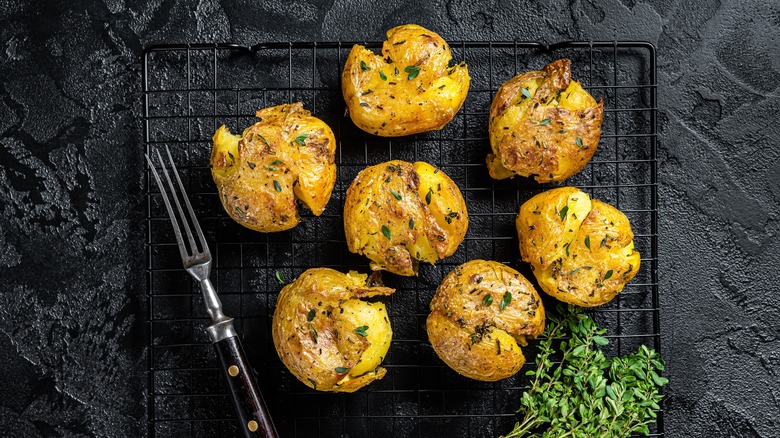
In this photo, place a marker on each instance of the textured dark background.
(71, 249)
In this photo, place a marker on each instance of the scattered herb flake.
(251, 165)
(543, 122)
(428, 196)
(578, 139)
(362, 330)
(386, 232)
(608, 275)
(364, 67)
(526, 93)
(313, 333)
(280, 277)
(275, 162)
(310, 316)
(413, 71)
(341, 370)
(487, 300)
(587, 241)
(411, 223)
(382, 75)
(396, 194)
(277, 186)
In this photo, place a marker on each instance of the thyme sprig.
(587, 394)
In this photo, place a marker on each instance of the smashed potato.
(328, 337)
(398, 213)
(543, 124)
(480, 316)
(287, 155)
(581, 250)
(409, 89)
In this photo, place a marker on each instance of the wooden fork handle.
(250, 407)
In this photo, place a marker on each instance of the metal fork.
(250, 406)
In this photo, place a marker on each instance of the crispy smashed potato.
(287, 155)
(543, 124)
(397, 213)
(409, 89)
(328, 337)
(580, 249)
(479, 314)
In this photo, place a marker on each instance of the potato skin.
(477, 340)
(260, 174)
(585, 258)
(397, 105)
(537, 136)
(313, 347)
(398, 213)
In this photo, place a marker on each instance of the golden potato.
(409, 89)
(397, 213)
(543, 124)
(287, 155)
(480, 313)
(328, 337)
(580, 249)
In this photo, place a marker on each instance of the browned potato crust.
(326, 336)
(409, 88)
(287, 155)
(543, 124)
(581, 250)
(479, 314)
(398, 213)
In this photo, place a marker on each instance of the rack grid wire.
(189, 90)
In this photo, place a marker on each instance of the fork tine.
(185, 225)
(189, 206)
(171, 214)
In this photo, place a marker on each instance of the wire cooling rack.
(189, 90)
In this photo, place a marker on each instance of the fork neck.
(213, 304)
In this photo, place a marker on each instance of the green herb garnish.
(310, 316)
(386, 232)
(576, 390)
(505, 301)
(362, 330)
(364, 67)
(396, 194)
(428, 196)
(413, 71)
(275, 162)
(543, 122)
(301, 139)
(578, 139)
(341, 370)
(608, 275)
(411, 223)
(382, 75)
(280, 277)
(563, 212)
(277, 186)
(587, 241)
(526, 93)
(487, 300)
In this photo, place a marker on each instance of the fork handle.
(250, 407)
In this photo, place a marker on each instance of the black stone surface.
(71, 244)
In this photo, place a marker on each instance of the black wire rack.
(189, 90)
